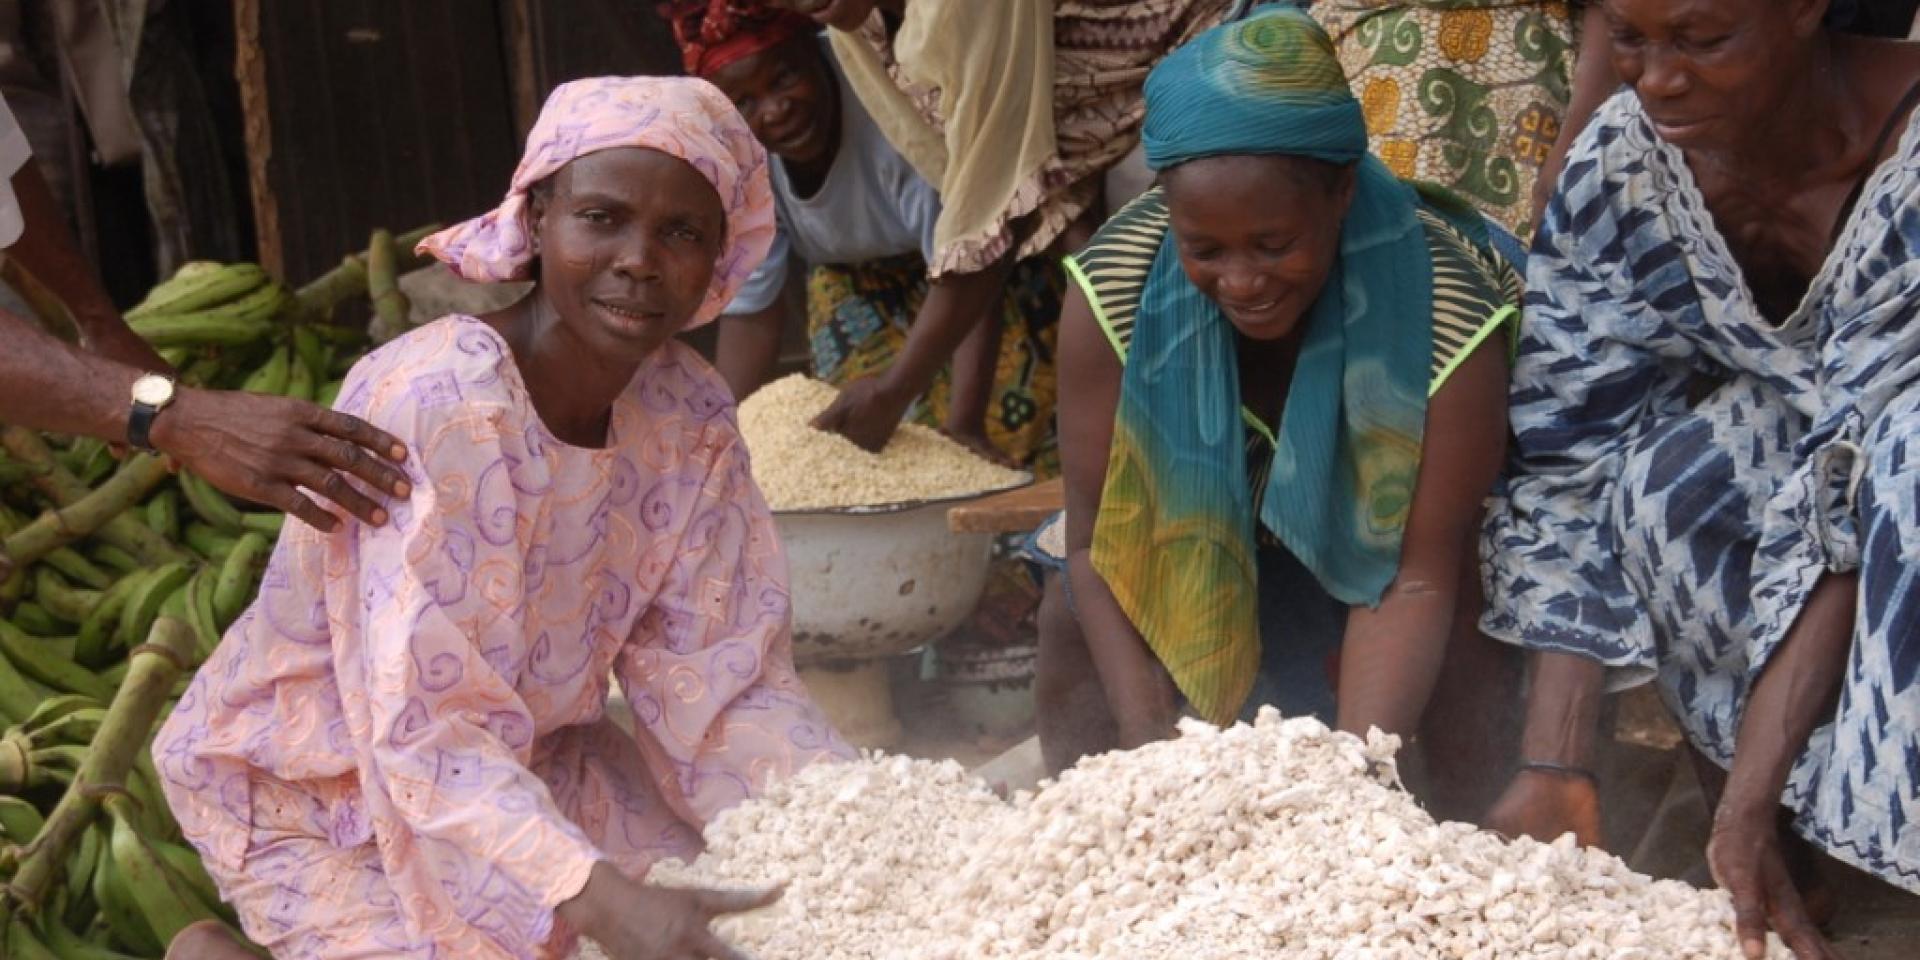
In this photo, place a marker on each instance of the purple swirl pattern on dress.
(445, 673)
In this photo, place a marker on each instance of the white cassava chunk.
(1279, 839)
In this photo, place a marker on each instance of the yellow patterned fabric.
(1466, 94)
(858, 316)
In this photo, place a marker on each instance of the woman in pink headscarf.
(401, 749)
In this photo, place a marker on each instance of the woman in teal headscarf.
(1283, 400)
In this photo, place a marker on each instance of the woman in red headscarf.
(970, 352)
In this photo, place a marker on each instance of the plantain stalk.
(348, 280)
(383, 284)
(65, 490)
(91, 512)
(123, 734)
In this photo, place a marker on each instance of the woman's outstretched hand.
(633, 921)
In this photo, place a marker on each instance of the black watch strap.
(140, 426)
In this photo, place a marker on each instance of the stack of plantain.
(118, 576)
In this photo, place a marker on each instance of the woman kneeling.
(401, 749)
(1285, 403)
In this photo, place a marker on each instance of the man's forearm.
(46, 251)
(46, 384)
(954, 308)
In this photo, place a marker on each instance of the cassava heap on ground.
(1276, 839)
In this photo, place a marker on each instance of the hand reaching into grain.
(1545, 806)
(633, 921)
(865, 412)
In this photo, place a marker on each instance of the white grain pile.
(800, 468)
(1280, 839)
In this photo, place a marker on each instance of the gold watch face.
(153, 390)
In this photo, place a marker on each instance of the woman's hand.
(868, 411)
(1744, 854)
(1545, 805)
(633, 921)
(261, 448)
(1795, 693)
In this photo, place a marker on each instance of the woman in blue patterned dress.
(1713, 401)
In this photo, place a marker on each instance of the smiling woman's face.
(1710, 71)
(628, 242)
(1258, 234)
(788, 97)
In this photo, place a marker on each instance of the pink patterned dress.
(401, 749)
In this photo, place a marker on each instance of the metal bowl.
(878, 581)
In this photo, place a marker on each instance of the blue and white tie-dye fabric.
(1686, 469)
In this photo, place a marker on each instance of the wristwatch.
(151, 394)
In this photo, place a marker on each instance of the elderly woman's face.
(1709, 70)
(628, 242)
(1258, 235)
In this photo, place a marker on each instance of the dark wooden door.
(389, 113)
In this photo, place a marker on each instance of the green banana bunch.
(237, 576)
(329, 393)
(36, 620)
(35, 660)
(121, 562)
(84, 594)
(24, 944)
(20, 821)
(208, 542)
(76, 729)
(302, 382)
(68, 945)
(165, 901)
(18, 695)
(117, 909)
(100, 629)
(211, 505)
(55, 709)
(241, 321)
(143, 605)
(163, 514)
(60, 599)
(80, 908)
(271, 377)
(200, 286)
(79, 569)
(201, 614)
(267, 524)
